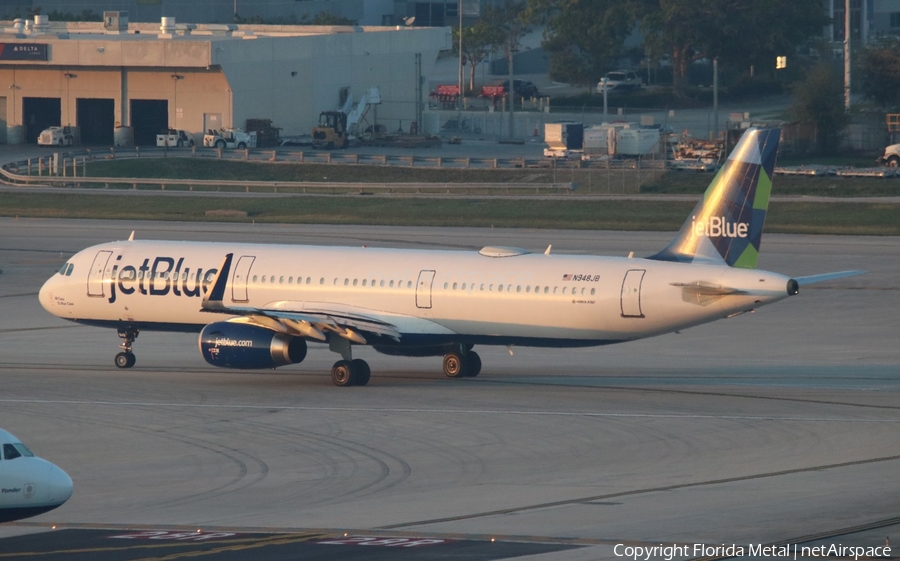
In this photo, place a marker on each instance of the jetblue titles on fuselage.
(164, 275)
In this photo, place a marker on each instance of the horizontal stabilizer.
(812, 279)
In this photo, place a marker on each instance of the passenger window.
(408, 284)
(280, 280)
(592, 291)
(464, 286)
(10, 452)
(254, 278)
(272, 279)
(291, 280)
(499, 288)
(482, 287)
(382, 284)
(309, 280)
(528, 288)
(564, 289)
(321, 280)
(355, 281)
(264, 279)
(392, 285)
(364, 282)
(346, 282)
(519, 288)
(546, 289)
(454, 286)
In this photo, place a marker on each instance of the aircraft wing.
(299, 318)
(812, 279)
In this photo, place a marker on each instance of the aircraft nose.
(60, 485)
(45, 296)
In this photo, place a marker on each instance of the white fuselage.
(431, 296)
(28, 485)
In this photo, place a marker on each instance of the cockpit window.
(16, 450)
(69, 270)
(66, 270)
(23, 450)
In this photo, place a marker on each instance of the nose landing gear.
(126, 359)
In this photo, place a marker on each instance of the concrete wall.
(288, 79)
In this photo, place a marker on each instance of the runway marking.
(453, 411)
(634, 492)
(230, 545)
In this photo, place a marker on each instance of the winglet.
(213, 298)
(131, 237)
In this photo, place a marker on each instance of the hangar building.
(113, 80)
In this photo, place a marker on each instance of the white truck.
(174, 137)
(891, 156)
(58, 136)
(229, 138)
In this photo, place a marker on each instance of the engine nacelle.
(246, 346)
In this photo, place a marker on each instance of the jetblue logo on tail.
(718, 227)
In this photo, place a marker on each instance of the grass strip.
(784, 217)
(589, 181)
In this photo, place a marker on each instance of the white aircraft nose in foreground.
(274, 298)
(28, 485)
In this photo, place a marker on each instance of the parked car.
(891, 156)
(620, 81)
(522, 88)
(173, 137)
(57, 136)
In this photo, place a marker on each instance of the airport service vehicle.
(28, 485)
(620, 81)
(174, 137)
(257, 305)
(57, 136)
(337, 128)
(229, 138)
(891, 156)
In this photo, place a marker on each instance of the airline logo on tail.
(719, 227)
(726, 226)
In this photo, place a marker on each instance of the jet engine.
(246, 346)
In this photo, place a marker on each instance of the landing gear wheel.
(361, 372)
(342, 373)
(125, 360)
(893, 162)
(474, 364)
(454, 365)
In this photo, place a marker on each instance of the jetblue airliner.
(257, 306)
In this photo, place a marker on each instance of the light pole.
(175, 78)
(459, 100)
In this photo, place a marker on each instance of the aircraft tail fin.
(726, 225)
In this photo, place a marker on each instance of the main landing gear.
(462, 364)
(354, 372)
(126, 359)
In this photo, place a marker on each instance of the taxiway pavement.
(778, 425)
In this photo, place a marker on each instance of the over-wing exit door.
(239, 280)
(423, 289)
